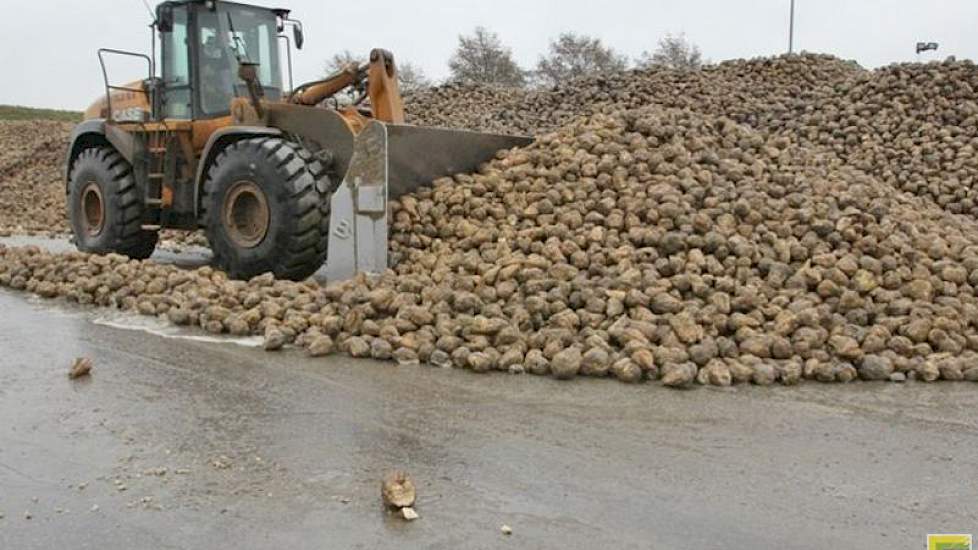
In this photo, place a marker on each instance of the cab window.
(176, 67)
(229, 34)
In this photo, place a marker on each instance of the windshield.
(227, 35)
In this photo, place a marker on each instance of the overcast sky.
(47, 47)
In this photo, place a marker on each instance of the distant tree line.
(482, 58)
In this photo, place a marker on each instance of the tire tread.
(126, 235)
(301, 249)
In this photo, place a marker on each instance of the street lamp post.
(791, 29)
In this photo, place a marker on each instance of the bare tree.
(482, 59)
(341, 60)
(674, 52)
(576, 55)
(411, 77)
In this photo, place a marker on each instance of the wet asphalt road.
(279, 451)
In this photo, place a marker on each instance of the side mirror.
(165, 20)
(297, 35)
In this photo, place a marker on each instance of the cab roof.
(281, 12)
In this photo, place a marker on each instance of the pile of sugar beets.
(748, 225)
(32, 189)
(914, 126)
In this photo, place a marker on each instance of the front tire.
(265, 207)
(104, 206)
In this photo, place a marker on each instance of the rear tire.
(104, 206)
(266, 209)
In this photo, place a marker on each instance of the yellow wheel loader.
(282, 179)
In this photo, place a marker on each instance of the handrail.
(105, 76)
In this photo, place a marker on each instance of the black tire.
(266, 209)
(104, 206)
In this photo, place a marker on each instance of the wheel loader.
(281, 178)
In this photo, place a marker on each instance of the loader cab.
(201, 46)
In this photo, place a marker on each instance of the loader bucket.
(418, 155)
(389, 161)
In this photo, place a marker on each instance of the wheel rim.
(245, 214)
(93, 209)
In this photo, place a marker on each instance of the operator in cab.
(217, 87)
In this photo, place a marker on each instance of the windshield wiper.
(238, 47)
